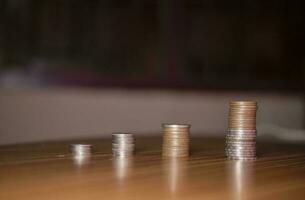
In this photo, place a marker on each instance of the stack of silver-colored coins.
(176, 140)
(122, 144)
(241, 133)
(81, 150)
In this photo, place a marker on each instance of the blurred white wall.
(57, 113)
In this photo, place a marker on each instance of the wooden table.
(47, 171)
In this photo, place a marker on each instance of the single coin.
(240, 147)
(241, 131)
(122, 134)
(245, 126)
(242, 135)
(243, 111)
(240, 151)
(178, 148)
(177, 131)
(178, 138)
(243, 103)
(168, 134)
(253, 107)
(176, 143)
(242, 124)
(176, 125)
(241, 142)
(242, 158)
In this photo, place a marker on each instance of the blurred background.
(87, 68)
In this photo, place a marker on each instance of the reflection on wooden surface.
(175, 171)
(48, 171)
(123, 168)
(240, 178)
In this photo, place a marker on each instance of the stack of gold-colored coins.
(241, 133)
(176, 140)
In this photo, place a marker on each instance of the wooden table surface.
(47, 171)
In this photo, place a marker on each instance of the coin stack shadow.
(176, 140)
(241, 133)
(122, 144)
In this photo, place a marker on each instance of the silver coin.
(239, 151)
(240, 155)
(240, 131)
(123, 150)
(240, 147)
(242, 158)
(240, 141)
(243, 138)
(122, 134)
(123, 154)
(176, 125)
(241, 135)
(122, 139)
(81, 146)
(123, 144)
(123, 147)
(250, 148)
(237, 131)
(81, 149)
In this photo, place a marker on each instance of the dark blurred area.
(196, 44)
(87, 68)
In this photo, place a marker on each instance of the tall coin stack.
(122, 144)
(241, 133)
(176, 140)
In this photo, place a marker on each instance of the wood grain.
(48, 171)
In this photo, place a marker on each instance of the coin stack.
(122, 144)
(176, 140)
(81, 150)
(241, 133)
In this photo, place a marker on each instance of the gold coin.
(243, 103)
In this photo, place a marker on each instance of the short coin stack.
(241, 133)
(81, 150)
(176, 140)
(122, 144)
